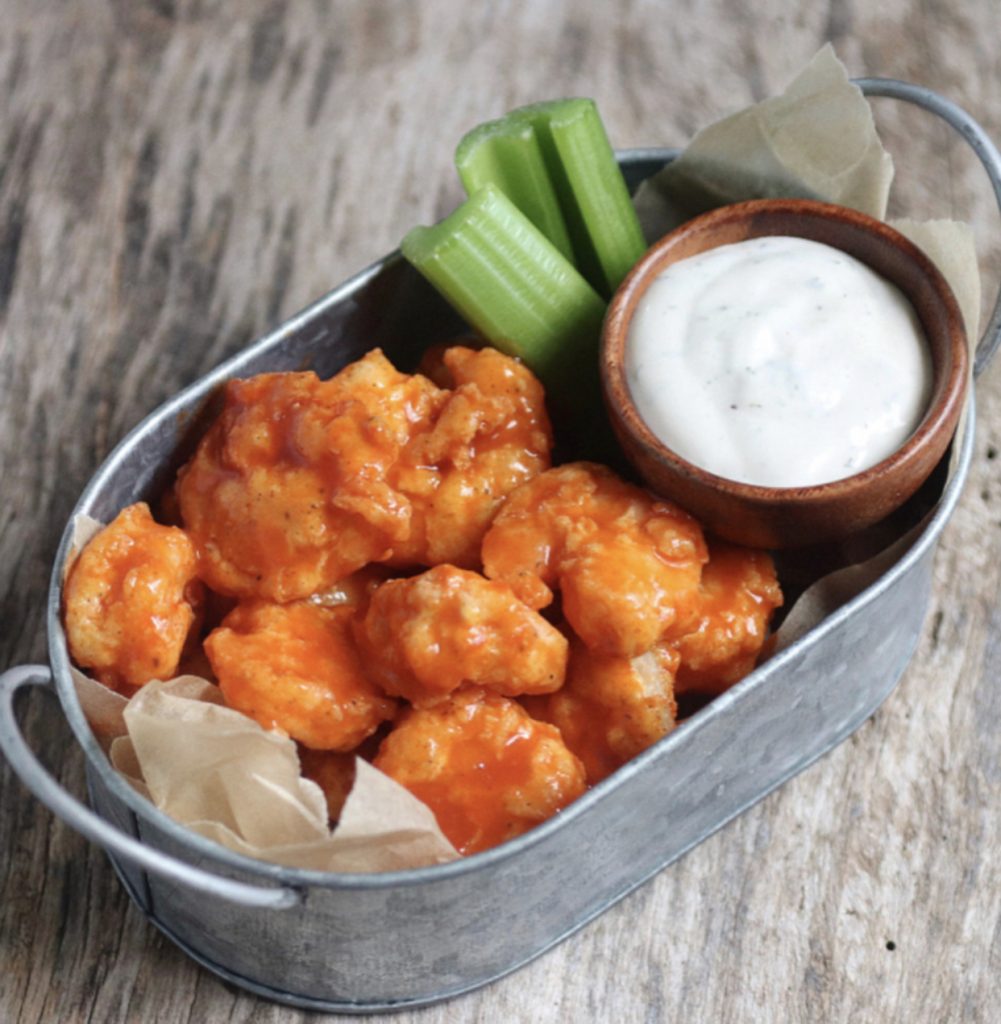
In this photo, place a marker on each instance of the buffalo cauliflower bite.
(301, 482)
(487, 770)
(739, 592)
(491, 435)
(426, 636)
(131, 599)
(628, 564)
(295, 668)
(611, 708)
(288, 492)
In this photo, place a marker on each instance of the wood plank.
(179, 175)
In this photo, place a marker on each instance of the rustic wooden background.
(179, 175)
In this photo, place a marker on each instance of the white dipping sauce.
(777, 361)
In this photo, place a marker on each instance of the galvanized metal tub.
(354, 943)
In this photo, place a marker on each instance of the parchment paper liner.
(222, 775)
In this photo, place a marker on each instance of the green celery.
(506, 154)
(516, 289)
(554, 162)
(598, 210)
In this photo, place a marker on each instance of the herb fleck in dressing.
(778, 361)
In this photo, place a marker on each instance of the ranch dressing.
(777, 361)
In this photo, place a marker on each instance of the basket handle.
(986, 152)
(31, 772)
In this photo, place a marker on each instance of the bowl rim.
(948, 391)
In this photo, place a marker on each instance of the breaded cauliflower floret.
(611, 708)
(426, 636)
(289, 490)
(627, 563)
(301, 482)
(487, 770)
(491, 435)
(295, 668)
(739, 592)
(131, 599)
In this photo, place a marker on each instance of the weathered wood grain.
(178, 175)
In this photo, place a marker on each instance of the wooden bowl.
(778, 517)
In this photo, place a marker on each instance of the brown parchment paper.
(219, 773)
(222, 775)
(817, 140)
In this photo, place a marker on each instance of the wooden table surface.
(178, 176)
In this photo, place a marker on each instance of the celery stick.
(598, 211)
(506, 153)
(514, 287)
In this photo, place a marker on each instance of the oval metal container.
(353, 943)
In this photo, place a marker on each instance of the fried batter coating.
(288, 491)
(424, 637)
(486, 768)
(295, 668)
(492, 435)
(627, 563)
(300, 482)
(611, 708)
(131, 599)
(739, 592)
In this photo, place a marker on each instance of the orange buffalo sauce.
(739, 591)
(294, 667)
(131, 600)
(486, 769)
